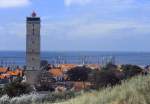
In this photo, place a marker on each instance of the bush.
(106, 78)
(5, 100)
(16, 88)
(24, 99)
(2, 92)
(44, 87)
(57, 97)
(78, 74)
(110, 66)
(131, 70)
(27, 99)
(37, 99)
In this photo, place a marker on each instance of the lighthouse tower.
(33, 25)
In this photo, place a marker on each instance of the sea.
(137, 58)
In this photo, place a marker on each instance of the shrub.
(27, 99)
(106, 78)
(24, 99)
(16, 88)
(110, 66)
(45, 87)
(57, 97)
(37, 99)
(78, 73)
(5, 100)
(131, 70)
(2, 92)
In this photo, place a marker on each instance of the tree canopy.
(131, 70)
(78, 74)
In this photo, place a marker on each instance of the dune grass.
(132, 91)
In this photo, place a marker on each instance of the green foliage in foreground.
(131, 70)
(16, 88)
(59, 97)
(134, 91)
(38, 99)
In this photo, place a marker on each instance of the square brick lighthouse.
(33, 26)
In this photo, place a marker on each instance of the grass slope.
(133, 91)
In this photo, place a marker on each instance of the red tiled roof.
(56, 72)
(3, 70)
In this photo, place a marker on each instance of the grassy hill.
(133, 91)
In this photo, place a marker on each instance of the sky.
(78, 25)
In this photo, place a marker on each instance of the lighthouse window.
(33, 29)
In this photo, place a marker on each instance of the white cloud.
(80, 2)
(99, 2)
(13, 29)
(80, 29)
(13, 3)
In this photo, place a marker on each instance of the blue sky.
(78, 25)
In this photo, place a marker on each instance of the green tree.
(106, 78)
(16, 88)
(131, 70)
(78, 73)
(110, 66)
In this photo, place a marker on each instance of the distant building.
(33, 25)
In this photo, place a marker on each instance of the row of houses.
(59, 71)
(7, 75)
(55, 76)
(55, 71)
(7, 72)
